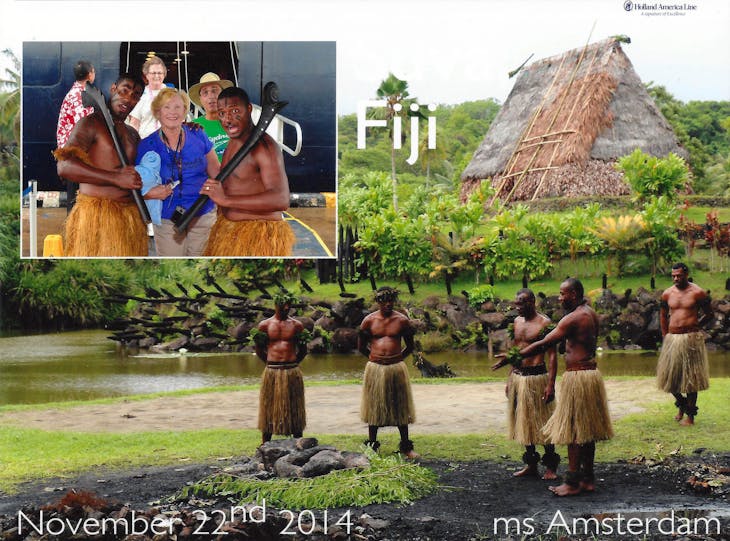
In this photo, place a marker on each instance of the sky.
(449, 52)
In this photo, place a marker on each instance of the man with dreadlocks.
(581, 417)
(386, 395)
(531, 388)
(683, 366)
(281, 398)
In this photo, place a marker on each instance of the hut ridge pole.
(567, 122)
(513, 159)
(552, 121)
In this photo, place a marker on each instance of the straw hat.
(206, 79)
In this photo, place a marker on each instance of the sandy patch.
(441, 409)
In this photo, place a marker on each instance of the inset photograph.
(178, 149)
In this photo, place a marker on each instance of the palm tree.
(429, 156)
(395, 92)
(10, 108)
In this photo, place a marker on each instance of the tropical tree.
(661, 220)
(621, 235)
(395, 246)
(395, 93)
(10, 110)
(650, 176)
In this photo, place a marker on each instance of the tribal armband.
(67, 153)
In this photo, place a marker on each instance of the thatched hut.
(566, 121)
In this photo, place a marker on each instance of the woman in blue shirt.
(187, 159)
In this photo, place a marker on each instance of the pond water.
(86, 364)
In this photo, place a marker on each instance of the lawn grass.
(32, 454)
(590, 276)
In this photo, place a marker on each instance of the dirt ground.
(441, 409)
(476, 501)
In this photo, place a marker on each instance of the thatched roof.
(567, 119)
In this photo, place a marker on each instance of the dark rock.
(148, 342)
(204, 343)
(308, 322)
(349, 314)
(607, 302)
(344, 340)
(460, 302)
(500, 339)
(326, 323)
(493, 320)
(172, 345)
(300, 458)
(355, 460)
(322, 463)
(460, 319)
(431, 302)
(419, 325)
(630, 325)
(273, 450)
(284, 467)
(240, 331)
(654, 324)
(549, 304)
(317, 345)
(305, 443)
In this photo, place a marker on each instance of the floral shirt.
(72, 110)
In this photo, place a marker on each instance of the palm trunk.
(392, 176)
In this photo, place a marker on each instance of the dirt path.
(460, 408)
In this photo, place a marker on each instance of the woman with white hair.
(187, 159)
(141, 117)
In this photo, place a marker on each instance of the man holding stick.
(251, 201)
(581, 417)
(531, 388)
(683, 365)
(105, 221)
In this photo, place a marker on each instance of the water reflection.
(85, 365)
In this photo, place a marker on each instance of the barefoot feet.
(687, 421)
(549, 475)
(527, 471)
(565, 490)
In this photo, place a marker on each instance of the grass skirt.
(527, 413)
(581, 415)
(281, 402)
(98, 227)
(387, 399)
(683, 366)
(259, 238)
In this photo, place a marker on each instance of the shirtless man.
(531, 389)
(104, 221)
(281, 398)
(581, 416)
(251, 201)
(683, 365)
(387, 399)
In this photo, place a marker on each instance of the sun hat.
(206, 79)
